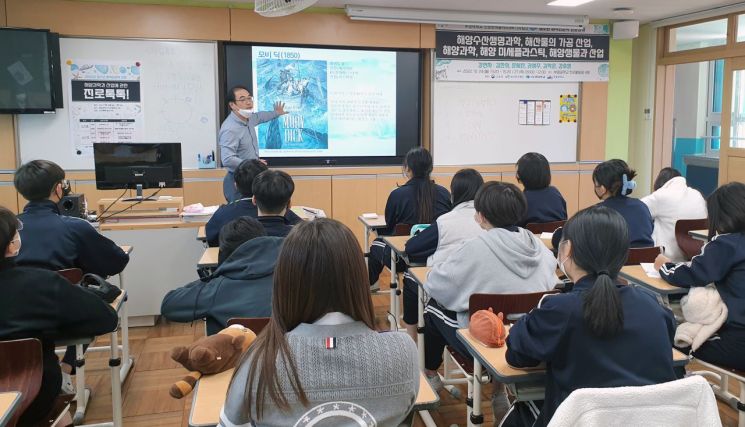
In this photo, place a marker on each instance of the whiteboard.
(179, 98)
(477, 123)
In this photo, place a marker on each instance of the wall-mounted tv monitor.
(137, 165)
(30, 78)
(345, 106)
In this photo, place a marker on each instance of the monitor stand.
(139, 197)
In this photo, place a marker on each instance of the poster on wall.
(105, 103)
(568, 108)
(473, 53)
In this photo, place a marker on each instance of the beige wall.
(343, 193)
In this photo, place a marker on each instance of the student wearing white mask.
(237, 137)
(671, 201)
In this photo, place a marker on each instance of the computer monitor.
(137, 165)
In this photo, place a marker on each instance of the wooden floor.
(145, 392)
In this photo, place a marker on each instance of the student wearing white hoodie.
(671, 201)
(504, 260)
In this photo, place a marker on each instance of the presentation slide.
(340, 103)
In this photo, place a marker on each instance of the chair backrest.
(690, 246)
(73, 275)
(686, 402)
(640, 255)
(21, 369)
(256, 324)
(402, 229)
(507, 304)
(544, 227)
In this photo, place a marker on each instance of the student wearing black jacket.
(601, 333)
(722, 262)
(57, 242)
(244, 176)
(35, 304)
(545, 202)
(272, 195)
(419, 201)
(240, 287)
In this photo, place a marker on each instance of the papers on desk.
(649, 269)
(547, 236)
(197, 212)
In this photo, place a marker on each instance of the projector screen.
(345, 106)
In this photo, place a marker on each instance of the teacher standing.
(237, 137)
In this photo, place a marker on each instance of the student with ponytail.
(419, 201)
(601, 333)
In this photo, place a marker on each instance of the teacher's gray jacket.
(238, 141)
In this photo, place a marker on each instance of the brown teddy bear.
(210, 355)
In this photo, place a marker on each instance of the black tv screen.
(29, 71)
(120, 165)
(346, 106)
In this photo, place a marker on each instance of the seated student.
(419, 201)
(601, 333)
(272, 196)
(671, 201)
(444, 236)
(722, 262)
(320, 360)
(35, 304)
(545, 203)
(57, 242)
(504, 260)
(244, 176)
(240, 287)
(613, 181)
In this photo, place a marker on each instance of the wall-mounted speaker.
(623, 30)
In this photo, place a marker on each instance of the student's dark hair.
(419, 161)
(610, 174)
(600, 246)
(237, 232)
(36, 179)
(726, 209)
(230, 96)
(320, 270)
(665, 175)
(533, 171)
(273, 190)
(464, 185)
(8, 228)
(501, 203)
(244, 175)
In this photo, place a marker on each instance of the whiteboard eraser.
(369, 215)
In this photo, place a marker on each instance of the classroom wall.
(619, 99)
(343, 193)
(641, 125)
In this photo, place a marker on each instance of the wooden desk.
(202, 233)
(127, 249)
(636, 275)
(211, 390)
(702, 235)
(419, 276)
(209, 258)
(9, 402)
(147, 224)
(369, 225)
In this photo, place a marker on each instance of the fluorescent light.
(459, 17)
(568, 3)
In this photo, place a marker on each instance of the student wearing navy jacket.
(613, 181)
(272, 195)
(545, 203)
(722, 262)
(244, 176)
(601, 333)
(419, 201)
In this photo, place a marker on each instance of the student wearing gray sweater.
(319, 360)
(504, 260)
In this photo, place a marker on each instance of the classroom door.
(732, 152)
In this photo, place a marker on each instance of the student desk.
(702, 235)
(209, 258)
(82, 393)
(636, 275)
(524, 383)
(398, 249)
(202, 234)
(210, 392)
(369, 225)
(9, 402)
(419, 276)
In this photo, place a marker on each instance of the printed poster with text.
(339, 102)
(105, 103)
